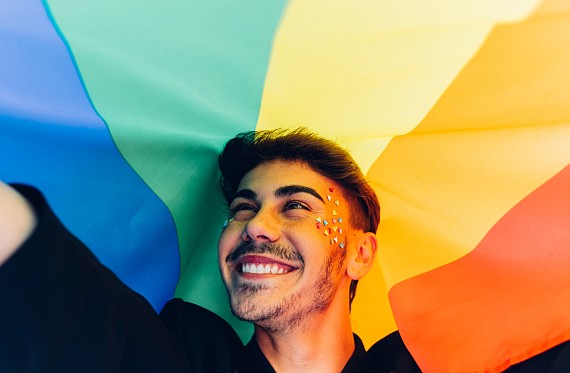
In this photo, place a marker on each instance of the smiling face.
(282, 254)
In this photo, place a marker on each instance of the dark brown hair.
(249, 149)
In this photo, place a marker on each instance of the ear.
(363, 257)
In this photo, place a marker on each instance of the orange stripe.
(505, 301)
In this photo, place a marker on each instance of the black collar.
(255, 361)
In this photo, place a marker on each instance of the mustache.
(273, 249)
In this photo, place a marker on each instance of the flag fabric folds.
(457, 112)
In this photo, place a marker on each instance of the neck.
(324, 343)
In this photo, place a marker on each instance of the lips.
(255, 264)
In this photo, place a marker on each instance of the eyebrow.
(281, 192)
(289, 190)
(246, 194)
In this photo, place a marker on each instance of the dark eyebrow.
(289, 190)
(281, 192)
(246, 194)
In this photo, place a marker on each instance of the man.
(300, 234)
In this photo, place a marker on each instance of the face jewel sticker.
(226, 222)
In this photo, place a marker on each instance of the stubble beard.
(292, 311)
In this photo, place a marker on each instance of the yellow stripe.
(364, 71)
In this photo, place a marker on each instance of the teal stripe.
(174, 80)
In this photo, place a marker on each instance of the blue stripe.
(51, 137)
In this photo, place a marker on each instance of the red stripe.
(505, 301)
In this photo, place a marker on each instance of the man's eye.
(243, 211)
(293, 205)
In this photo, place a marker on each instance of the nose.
(263, 227)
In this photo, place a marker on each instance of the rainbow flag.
(457, 111)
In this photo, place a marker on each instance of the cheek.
(227, 241)
(306, 238)
(333, 223)
(331, 228)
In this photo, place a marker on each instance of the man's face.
(282, 255)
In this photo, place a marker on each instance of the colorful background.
(457, 111)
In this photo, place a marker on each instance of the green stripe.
(174, 80)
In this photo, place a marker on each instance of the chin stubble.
(270, 319)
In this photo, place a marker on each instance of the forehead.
(270, 176)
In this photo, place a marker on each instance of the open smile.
(255, 264)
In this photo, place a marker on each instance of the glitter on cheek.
(226, 222)
(318, 223)
(335, 220)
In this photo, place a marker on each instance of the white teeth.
(261, 269)
(249, 268)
